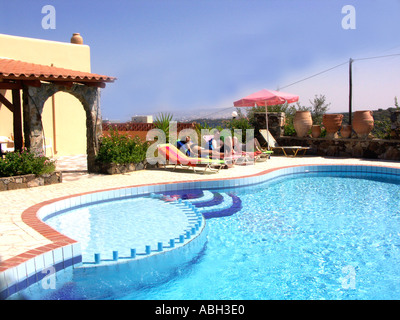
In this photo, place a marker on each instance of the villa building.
(63, 117)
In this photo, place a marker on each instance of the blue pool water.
(113, 226)
(299, 238)
(306, 236)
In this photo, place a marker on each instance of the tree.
(318, 108)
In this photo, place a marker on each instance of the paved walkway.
(16, 237)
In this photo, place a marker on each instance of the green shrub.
(121, 149)
(24, 162)
(289, 129)
(382, 129)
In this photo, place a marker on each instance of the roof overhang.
(15, 73)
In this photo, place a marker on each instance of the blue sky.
(198, 56)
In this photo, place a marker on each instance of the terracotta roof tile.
(20, 70)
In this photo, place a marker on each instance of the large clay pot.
(346, 131)
(316, 131)
(332, 124)
(77, 38)
(363, 123)
(302, 123)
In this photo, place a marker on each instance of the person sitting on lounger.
(221, 146)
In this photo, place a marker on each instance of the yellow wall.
(70, 125)
(70, 118)
(60, 54)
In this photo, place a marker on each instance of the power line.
(317, 74)
(378, 57)
(324, 71)
(218, 111)
(339, 65)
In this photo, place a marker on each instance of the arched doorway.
(64, 126)
(34, 99)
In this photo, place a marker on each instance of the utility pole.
(350, 89)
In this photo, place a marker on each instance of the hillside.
(379, 115)
(213, 123)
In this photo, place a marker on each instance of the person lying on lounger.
(191, 149)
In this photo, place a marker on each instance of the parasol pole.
(266, 121)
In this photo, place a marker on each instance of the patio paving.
(16, 237)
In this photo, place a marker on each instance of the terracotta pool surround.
(59, 241)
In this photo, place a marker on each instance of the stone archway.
(33, 103)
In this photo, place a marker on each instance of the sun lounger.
(274, 145)
(261, 151)
(174, 156)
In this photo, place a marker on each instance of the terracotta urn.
(302, 123)
(346, 130)
(332, 123)
(316, 131)
(76, 38)
(363, 123)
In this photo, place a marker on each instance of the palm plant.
(162, 122)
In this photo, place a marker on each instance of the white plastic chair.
(47, 145)
(7, 145)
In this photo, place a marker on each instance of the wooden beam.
(7, 103)
(95, 84)
(67, 84)
(17, 120)
(33, 83)
(10, 86)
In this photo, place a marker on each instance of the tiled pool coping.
(25, 269)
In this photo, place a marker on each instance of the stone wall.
(133, 129)
(113, 168)
(355, 148)
(276, 123)
(29, 181)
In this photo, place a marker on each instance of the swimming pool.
(307, 244)
(323, 234)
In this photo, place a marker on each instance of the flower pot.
(363, 123)
(346, 130)
(332, 123)
(316, 131)
(302, 123)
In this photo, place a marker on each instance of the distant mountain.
(192, 115)
(213, 123)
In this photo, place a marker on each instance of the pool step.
(210, 204)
